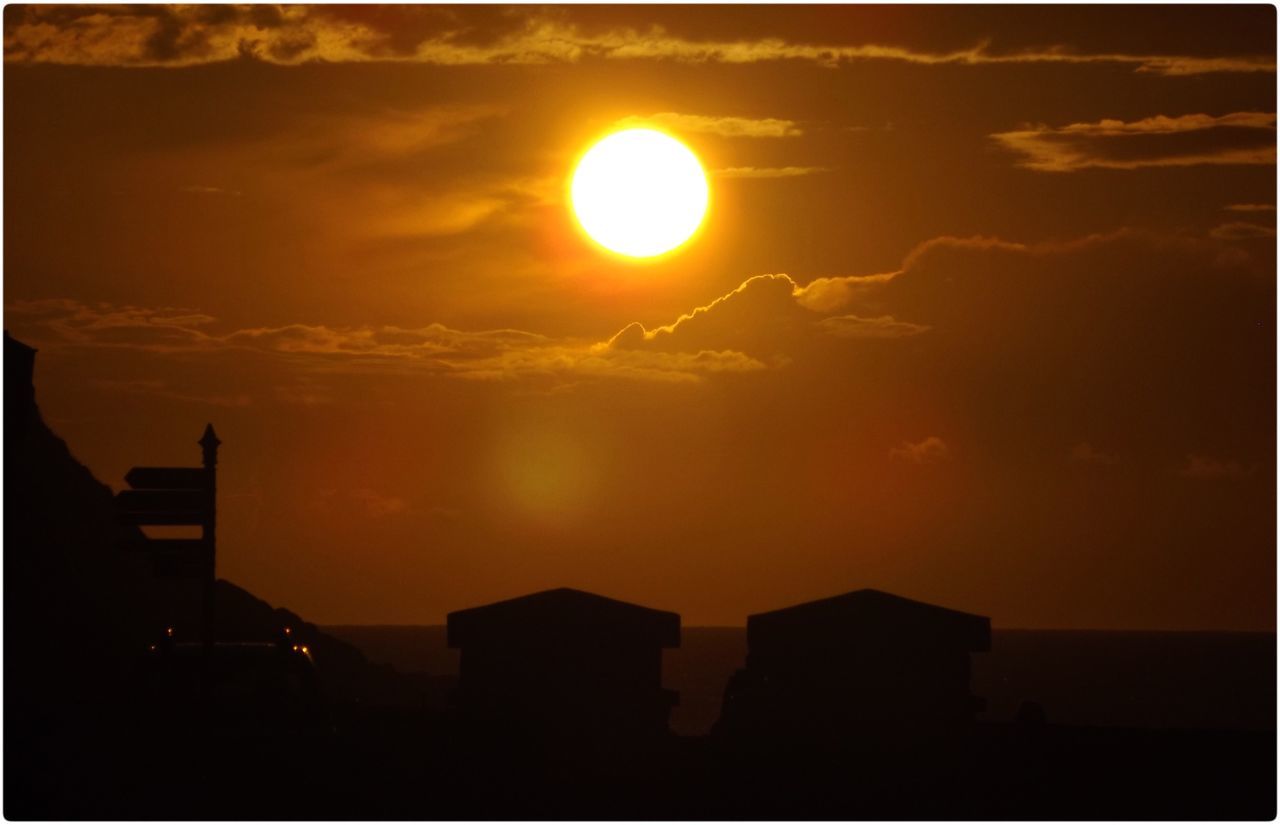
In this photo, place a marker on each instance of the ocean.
(1103, 678)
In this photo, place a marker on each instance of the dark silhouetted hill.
(80, 610)
(70, 586)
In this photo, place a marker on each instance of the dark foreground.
(1090, 678)
(356, 764)
(89, 736)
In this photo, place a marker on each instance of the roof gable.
(563, 615)
(868, 616)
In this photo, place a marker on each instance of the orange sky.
(983, 312)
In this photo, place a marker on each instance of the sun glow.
(639, 193)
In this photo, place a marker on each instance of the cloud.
(73, 322)
(969, 291)
(360, 500)
(768, 171)
(1109, 332)
(435, 349)
(827, 294)
(1188, 140)
(1210, 468)
(377, 505)
(1241, 230)
(384, 165)
(931, 450)
(722, 126)
(761, 311)
(211, 190)
(1012, 349)
(1250, 207)
(323, 143)
(884, 326)
(397, 133)
(168, 330)
(164, 330)
(289, 35)
(831, 293)
(603, 360)
(757, 326)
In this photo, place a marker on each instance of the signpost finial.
(210, 441)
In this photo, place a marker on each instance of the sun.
(639, 193)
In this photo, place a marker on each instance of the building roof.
(564, 615)
(867, 617)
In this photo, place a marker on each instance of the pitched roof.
(563, 614)
(867, 616)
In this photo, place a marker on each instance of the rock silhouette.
(80, 611)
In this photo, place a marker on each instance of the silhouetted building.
(565, 662)
(862, 662)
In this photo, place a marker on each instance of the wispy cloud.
(501, 354)
(1209, 468)
(768, 171)
(1186, 140)
(831, 293)
(884, 326)
(931, 450)
(358, 159)
(365, 501)
(378, 505)
(1250, 207)
(1241, 230)
(187, 35)
(745, 127)
(211, 190)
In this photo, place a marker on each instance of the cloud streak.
(435, 349)
(931, 450)
(1238, 138)
(950, 333)
(1209, 468)
(290, 35)
(732, 127)
(769, 171)
(1241, 230)
(750, 329)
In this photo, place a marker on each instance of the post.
(209, 444)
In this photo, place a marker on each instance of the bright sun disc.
(639, 193)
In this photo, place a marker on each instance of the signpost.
(165, 496)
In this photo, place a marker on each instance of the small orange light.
(288, 631)
(295, 647)
(168, 631)
(151, 647)
(304, 649)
